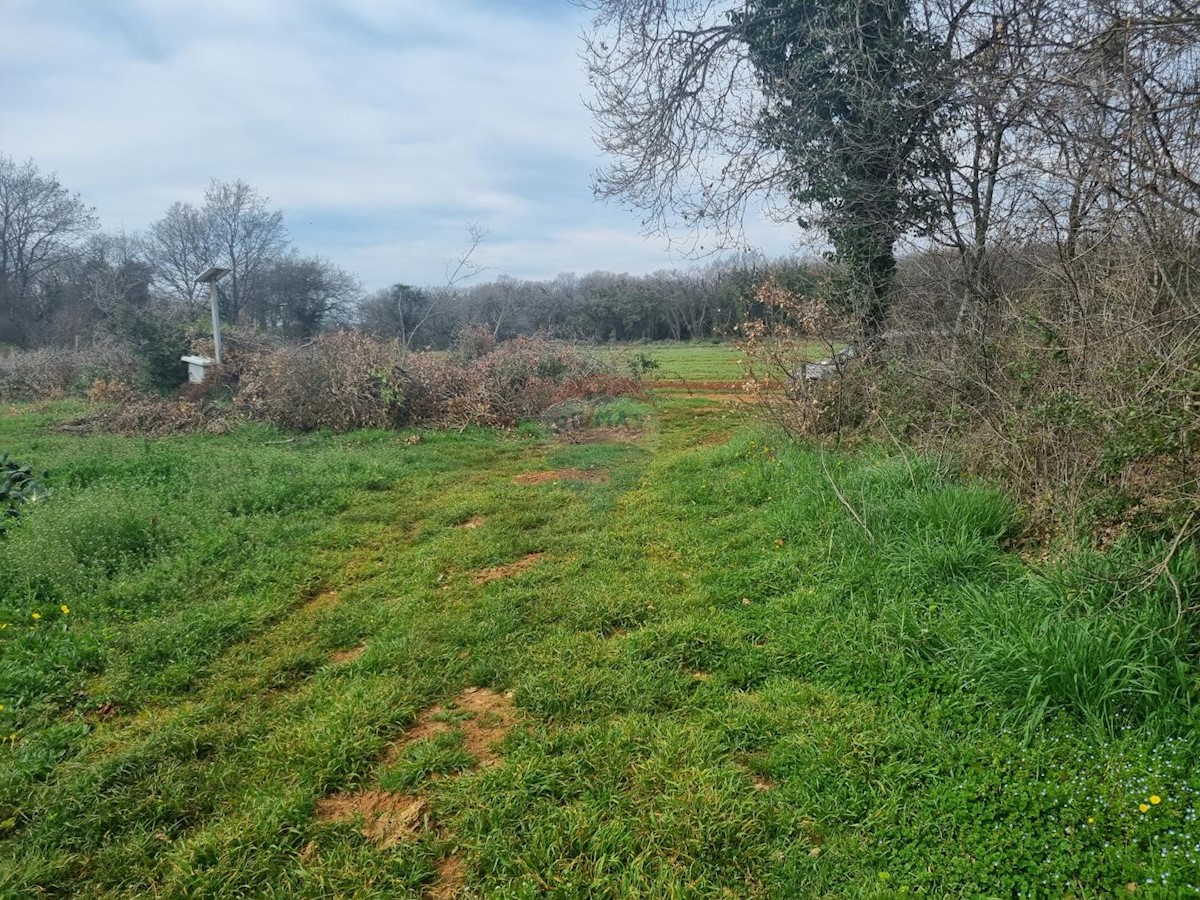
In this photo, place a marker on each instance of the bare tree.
(302, 295)
(824, 109)
(462, 268)
(41, 223)
(247, 235)
(179, 246)
(236, 228)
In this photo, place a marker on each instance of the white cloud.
(386, 124)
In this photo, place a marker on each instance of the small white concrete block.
(197, 366)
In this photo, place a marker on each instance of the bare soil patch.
(345, 656)
(732, 387)
(387, 818)
(452, 875)
(474, 522)
(507, 570)
(714, 397)
(597, 475)
(483, 716)
(322, 601)
(492, 717)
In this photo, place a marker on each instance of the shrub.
(1085, 407)
(343, 380)
(51, 372)
(499, 384)
(339, 381)
(158, 339)
(105, 391)
(641, 364)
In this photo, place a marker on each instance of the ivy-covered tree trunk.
(849, 101)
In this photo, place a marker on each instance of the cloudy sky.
(380, 127)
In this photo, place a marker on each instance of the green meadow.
(687, 361)
(733, 667)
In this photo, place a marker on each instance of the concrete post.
(216, 317)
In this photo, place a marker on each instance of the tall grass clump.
(912, 577)
(1089, 637)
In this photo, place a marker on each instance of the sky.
(381, 128)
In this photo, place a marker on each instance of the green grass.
(685, 361)
(743, 669)
(621, 412)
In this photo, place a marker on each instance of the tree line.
(703, 301)
(63, 280)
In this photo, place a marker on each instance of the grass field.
(689, 361)
(689, 661)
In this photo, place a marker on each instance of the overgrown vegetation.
(338, 381)
(1088, 418)
(738, 665)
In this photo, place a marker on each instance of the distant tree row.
(63, 279)
(600, 306)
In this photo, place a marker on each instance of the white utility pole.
(211, 277)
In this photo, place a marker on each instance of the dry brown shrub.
(241, 348)
(342, 381)
(104, 391)
(431, 383)
(480, 382)
(339, 381)
(153, 417)
(220, 383)
(51, 372)
(777, 350)
(1074, 383)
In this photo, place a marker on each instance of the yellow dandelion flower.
(1091, 820)
(66, 610)
(1143, 807)
(1155, 799)
(37, 616)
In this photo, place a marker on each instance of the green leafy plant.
(19, 486)
(641, 364)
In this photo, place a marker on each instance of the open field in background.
(695, 361)
(685, 659)
(704, 361)
(711, 370)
